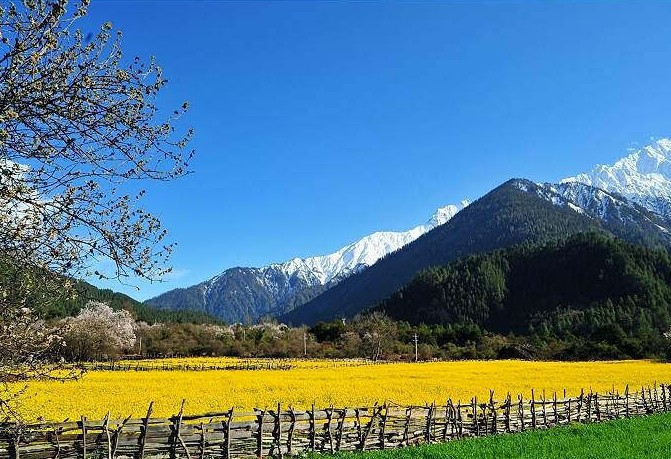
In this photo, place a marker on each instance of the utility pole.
(305, 344)
(416, 356)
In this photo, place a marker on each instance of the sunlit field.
(324, 383)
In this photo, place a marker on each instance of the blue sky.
(318, 123)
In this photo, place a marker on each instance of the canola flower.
(322, 382)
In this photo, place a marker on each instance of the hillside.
(519, 211)
(591, 285)
(49, 302)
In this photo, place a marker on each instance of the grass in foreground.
(646, 438)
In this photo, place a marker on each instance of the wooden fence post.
(626, 401)
(383, 426)
(83, 421)
(290, 432)
(448, 418)
(554, 408)
(460, 420)
(117, 434)
(227, 434)
(312, 432)
(339, 429)
(533, 410)
(107, 435)
(507, 412)
(429, 419)
(142, 439)
(259, 432)
(580, 403)
(476, 424)
(277, 432)
(664, 399)
(201, 444)
(13, 446)
(492, 408)
(376, 411)
(359, 430)
(329, 434)
(177, 435)
(406, 426)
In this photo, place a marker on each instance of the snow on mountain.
(362, 253)
(644, 176)
(614, 212)
(246, 294)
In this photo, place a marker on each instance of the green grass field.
(645, 438)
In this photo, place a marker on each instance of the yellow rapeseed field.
(324, 383)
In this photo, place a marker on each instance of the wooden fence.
(278, 433)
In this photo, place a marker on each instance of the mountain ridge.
(633, 201)
(245, 294)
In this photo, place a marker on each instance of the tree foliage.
(98, 332)
(591, 288)
(76, 124)
(79, 132)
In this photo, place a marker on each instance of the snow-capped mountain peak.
(444, 214)
(644, 176)
(364, 252)
(246, 294)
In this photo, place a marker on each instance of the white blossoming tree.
(98, 332)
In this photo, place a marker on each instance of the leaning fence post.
(177, 426)
(554, 408)
(507, 412)
(142, 439)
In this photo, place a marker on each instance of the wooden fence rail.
(287, 432)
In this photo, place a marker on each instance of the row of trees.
(101, 333)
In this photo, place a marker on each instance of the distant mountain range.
(630, 199)
(244, 294)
